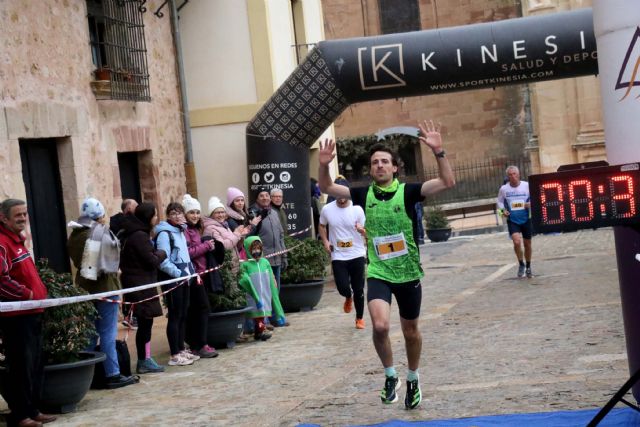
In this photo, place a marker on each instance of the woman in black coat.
(139, 262)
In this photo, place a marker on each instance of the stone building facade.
(550, 123)
(62, 136)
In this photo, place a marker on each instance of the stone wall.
(45, 75)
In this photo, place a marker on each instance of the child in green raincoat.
(257, 280)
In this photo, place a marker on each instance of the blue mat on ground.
(623, 417)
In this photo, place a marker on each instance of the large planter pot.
(439, 234)
(301, 296)
(65, 384)
(225, 327)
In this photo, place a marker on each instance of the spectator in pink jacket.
(198, 313)
(217, 227)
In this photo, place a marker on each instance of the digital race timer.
(585, 198)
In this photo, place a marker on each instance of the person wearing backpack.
(170, 238)
(139, 262)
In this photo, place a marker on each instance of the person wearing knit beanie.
(215, 203)
(92, 208)
(190, 204)
(232, 194)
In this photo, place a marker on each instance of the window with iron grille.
(118, 48)
(399, 16)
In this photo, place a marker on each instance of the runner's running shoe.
(348, 304)
(521, 271)
(388, 393)
(414, 395)
(529, 273)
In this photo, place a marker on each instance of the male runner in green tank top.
(394, 261)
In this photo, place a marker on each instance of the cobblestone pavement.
(493, 344)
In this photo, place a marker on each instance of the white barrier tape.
(56, 302)
(300, 232)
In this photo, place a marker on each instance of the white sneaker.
(188, 355)
(180, 360)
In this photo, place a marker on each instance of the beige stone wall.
(45, 75)
(567, 113)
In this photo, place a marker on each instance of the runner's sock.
(528, 264)
(412, 375)
(521, 262)
(390, 372)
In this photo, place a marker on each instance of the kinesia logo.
(381, 66)
(629, 75)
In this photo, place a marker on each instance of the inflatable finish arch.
(338, 73)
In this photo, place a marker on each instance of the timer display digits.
(585, 198)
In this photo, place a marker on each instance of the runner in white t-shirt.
(514, 204)
(345, 243)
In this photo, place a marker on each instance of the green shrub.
(305, 262)
(436, 218)
(232, 298)
(67, 329)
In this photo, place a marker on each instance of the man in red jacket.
(22, 330)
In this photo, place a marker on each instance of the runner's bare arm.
(325, 156)
(430, 136)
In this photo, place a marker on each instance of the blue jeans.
(107, 328)
(276, 273)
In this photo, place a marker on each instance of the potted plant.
(102, 73)
(303, 280)
(437, 224)
(228, 309)
(67, 332)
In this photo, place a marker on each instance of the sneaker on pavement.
(118, 381)
(388, 393)
(190, 354)
(348, 304)
(262, 336)
(521, 271)
(269, 327)
(414, 395)
(180, 360)
(207, 352)
(148, 366)
(359, 323)
(529, 273)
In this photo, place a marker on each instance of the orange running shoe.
(359, 323)
(348, 304)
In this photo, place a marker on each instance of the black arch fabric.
(341, 72)
(338, 73)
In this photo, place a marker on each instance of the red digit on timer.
(553, 186)
(628, 196)
(583, 200)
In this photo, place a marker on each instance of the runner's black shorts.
(408, 295)
(525, 229)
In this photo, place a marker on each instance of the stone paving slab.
(493, 344)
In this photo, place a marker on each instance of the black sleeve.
(359, 196)
(412, 195)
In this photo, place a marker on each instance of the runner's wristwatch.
(440, 154)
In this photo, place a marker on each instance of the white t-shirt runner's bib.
(517, 204)
(388, 247)
(343, 244)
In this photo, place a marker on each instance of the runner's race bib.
(388, 247)
(517, 205)
(342, 245)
